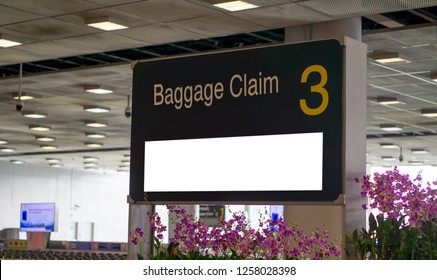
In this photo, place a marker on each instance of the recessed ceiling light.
(389, 146)
(93, 145)
(122, 170)
(15, 161)
(388, 158)
(419, 151)
(429, 112)
(39, 128)
(123, 167)
(386, 100)
(7, 150)
(44, 138)
(53, 160)
(125, 161)
(389, 58)
(95, 135)
(90, 158)
(3, 142)
(91, 167)
(56, 165)
(90, 164)
(390, 127)
(96, 109)
(98, 90)
(127, 157)
(95, 124)
(33, 115)
(107, 23)
(7, 41)
(24, 96)
(234, 6)
(48, 147)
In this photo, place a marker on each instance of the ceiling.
(61, 55)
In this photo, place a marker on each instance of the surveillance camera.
(19, 105)
(127, 112)
(401, 157)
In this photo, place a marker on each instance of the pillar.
(138, 218)
(345, 214)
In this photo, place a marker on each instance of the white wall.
(81, 197)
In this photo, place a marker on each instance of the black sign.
(277, 90)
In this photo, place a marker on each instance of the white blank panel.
(288, 162)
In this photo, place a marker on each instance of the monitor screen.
(37, 217)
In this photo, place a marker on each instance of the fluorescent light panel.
(24, 96)
(93, 144)
(7, 150)
(15, 161)
(390, 127)
(389, 58)
(3, 142)
(39, 128)
(107, 23)
(7, 41)
(90, 159)
(388, 158)
(96, 109)
(53, 160)
(415, 162)
(48, 147)
(97, 90)
(429, 112)
(56, 165)
(419, 151)
(33, 115)
(386, 100)
(44, 138)
(234, 6)
(389, 146)
(95, 135)
(95, 124)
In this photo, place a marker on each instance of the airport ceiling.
(61, 56)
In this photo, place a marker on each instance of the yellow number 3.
(319, 88)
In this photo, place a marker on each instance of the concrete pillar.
(138, 218)
(346, 214)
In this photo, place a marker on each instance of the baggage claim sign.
(259, 124)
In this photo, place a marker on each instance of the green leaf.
(372, 223)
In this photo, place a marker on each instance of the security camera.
(401, 157)
(128, 112)
(19, 105)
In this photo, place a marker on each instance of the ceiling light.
(434, 76)
(93, 145)
(90, 164)
(107, 23)
(7, 41)
(390, 127)
(3, 142)
(48, 147)
(56, 165)
(95, 135)
(95, 124)
(389, 146)
(24, 96)
(97, 90)
(234, 6)
(415, 162)
(125, 161)
(419, 151)
(33, 115)
(389, 58)
(123, 167)
(91, 167)
(44, 138)
(39, 128)
(429, 112)
(386, 100)
(122, 170)
(127, 157)
(388, 158)
(53, 160)
(7, 150)
(96, 109)
(15, 161)
(90, 159)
